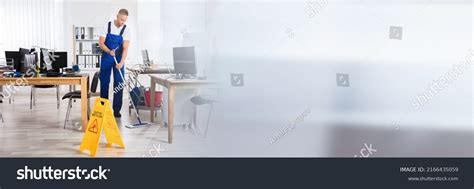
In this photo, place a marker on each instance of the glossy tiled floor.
(39, 132)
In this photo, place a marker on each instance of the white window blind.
(28, 23)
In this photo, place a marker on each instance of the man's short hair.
(123, 12)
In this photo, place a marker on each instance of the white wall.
(290, 60)
(184, 24)
(31, 23)
(98, 13)
(149, 28)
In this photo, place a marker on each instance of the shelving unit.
(86, 50)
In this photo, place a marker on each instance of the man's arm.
(104, 47)
(126, 43)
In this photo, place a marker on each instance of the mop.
(140, 123)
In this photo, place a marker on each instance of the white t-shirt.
(116, 31)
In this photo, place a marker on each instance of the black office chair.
(33, 94)
(34, 87)
(200, 100)
(77, 95)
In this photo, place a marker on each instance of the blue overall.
(108, 64)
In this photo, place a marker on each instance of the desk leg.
(84, 103)
(1, 92)
(152, 101)
(170, 113)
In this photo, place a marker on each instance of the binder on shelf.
(84, 47)
(76, 32)
(90, 47)
(83, 33)
(77, 47)
(81, 60)
(91, 32)
(93, 50)
(80, 48)
(85, 61)
(86, 33)
(92, 62)
(96, 49)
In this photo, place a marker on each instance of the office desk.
(83, 81)
(150, 70)
(172, 85)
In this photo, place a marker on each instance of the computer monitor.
(10, 61)
(13, 55)
(57, 60)
(21, 66)
(30, 63)
(184, 61)
(46, 61)
(60, 61)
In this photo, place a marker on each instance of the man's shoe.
(117, 114)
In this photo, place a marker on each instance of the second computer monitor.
(13, 55)
(184, 60)
(46, 62)
(22, 60)
(58, 61)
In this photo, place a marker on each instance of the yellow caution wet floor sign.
(101, 118)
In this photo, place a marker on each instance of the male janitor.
(114, 42)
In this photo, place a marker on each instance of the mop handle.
(120, 71)
(128, 85)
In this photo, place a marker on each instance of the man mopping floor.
(114, 43)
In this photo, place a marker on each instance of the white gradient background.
(284, 76)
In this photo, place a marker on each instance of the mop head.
(140, 124)
(137, 125)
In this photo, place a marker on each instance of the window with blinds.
(28, 23)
